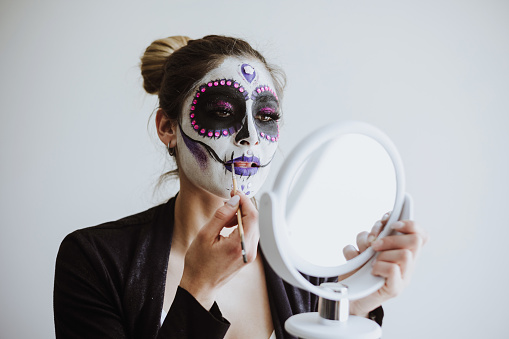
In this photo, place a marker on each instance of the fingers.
(350, 252)
(249, 211)
(396, 258)
(375, 231)
(245, 204)
(362, 241)
(249, 214)
(232, 222)
(394, 282)
(250, 225)
(385, 217)
(402, 258)
(223, 217)
(410, 227)
(410, 237)
(378, 227)
(249, 217)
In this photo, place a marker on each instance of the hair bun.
(154, 59)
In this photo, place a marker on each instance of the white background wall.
(75, 150)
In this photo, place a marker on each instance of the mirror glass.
(339, 191)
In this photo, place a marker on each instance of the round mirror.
(340, 190)
(334, 184)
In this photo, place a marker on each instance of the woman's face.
(231, 116)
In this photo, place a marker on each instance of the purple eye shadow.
(267, 110)
(199, 153)
(223, 104)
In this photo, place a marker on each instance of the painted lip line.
(244, 171)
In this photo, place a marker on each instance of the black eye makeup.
(218, 108)
(266, 112)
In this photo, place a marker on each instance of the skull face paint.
(231, 116)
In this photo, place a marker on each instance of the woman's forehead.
(249, 73)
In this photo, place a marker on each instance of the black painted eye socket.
(218, 110)
(266, 115)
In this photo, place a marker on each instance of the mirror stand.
(332, 320)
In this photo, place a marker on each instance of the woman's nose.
(247, 135)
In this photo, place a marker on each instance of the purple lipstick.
(244, 166)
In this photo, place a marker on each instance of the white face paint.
(232, 115)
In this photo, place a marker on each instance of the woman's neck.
(194, 207)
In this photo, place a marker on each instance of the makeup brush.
(239, 217)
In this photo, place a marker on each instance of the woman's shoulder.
(119, 239)
(112, 266)
(119, 229)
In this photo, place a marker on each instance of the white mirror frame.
(274, 239)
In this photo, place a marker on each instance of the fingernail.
(385, 217)
(233, 201)
(397, 225)
(371, 237)
(378, 224)
(376, 244)
(349, 248)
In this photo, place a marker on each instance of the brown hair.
(171, 68)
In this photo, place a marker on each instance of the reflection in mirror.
(339, 192)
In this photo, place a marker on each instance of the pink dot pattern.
(264, 88)
(201, 89)
(271, 138)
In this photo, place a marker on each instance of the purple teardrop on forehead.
(248, 72)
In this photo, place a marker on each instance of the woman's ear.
(166, 129)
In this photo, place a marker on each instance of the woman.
(171, 272)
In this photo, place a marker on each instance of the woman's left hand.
(395, 261)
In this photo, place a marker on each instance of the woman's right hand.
(212, 259)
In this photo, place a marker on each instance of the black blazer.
(109, 283)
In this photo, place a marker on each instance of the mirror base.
(312, 326)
